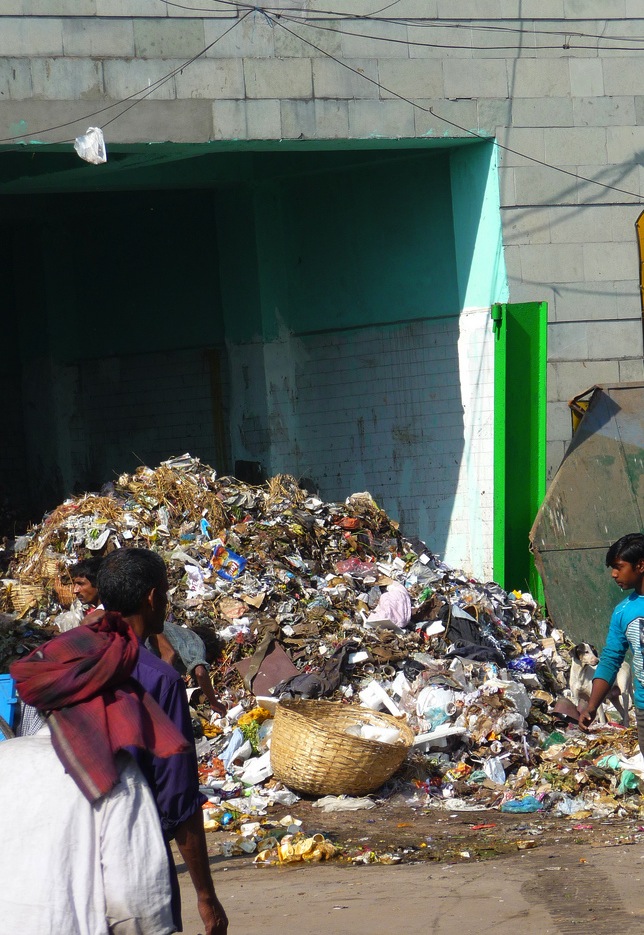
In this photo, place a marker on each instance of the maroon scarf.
(82, 678)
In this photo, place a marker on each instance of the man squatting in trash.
(84, 575)
(134, 584)
(184, 649)
(626, 559)
(178, 646)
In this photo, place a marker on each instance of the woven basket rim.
(306, 709)
(311, 753)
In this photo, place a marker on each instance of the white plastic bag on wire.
(91, 146)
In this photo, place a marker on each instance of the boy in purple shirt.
(134, 582)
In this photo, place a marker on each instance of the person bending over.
(625, 558)
(184, 649)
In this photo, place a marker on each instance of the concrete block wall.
(545, 86)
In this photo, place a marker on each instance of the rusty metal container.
(596, 496)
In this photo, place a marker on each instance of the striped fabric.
(81, 679)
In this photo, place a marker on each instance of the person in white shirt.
(70, 867)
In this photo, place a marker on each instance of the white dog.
(584, 661)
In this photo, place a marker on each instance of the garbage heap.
(332, 601)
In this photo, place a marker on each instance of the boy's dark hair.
(87, 568)
(213, 643)
(127, 576)
(630, 548)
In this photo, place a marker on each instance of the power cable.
(481, 24)
(145, 92)
(439, 45)
(276, 18)
(457, 126)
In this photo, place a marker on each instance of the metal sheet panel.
(596, 496)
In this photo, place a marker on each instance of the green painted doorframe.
(520, 357)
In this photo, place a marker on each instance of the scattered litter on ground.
(307, 601)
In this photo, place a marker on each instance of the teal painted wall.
(285, 244)
(340, 246)
(105, 279)
(481, 274)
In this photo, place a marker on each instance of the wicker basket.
(50, 566)
(24, 596)
(312, 753)
(64, 591)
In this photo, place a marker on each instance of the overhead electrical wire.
(276, 18)
(567, 44)
(457, 126)
(482, 24)
(567, 37)
(133, 98)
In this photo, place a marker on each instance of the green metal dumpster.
(596, 496)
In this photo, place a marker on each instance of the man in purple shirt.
(134, 582)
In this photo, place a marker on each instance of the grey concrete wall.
(542, 84)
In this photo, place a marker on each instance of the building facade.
(308, 210)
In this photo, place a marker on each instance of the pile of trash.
(308, 599)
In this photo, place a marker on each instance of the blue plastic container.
(8, 699)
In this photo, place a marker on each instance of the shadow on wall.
(375, 408)
(144, 408)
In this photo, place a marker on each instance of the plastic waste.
(91, 146)
(436, 704)
(356, 567)
(553, 739)
(70, 618)
(628, 782)
(569, 805)
(226, 563)
(522, 806)
(257, 770)
(343, 803)
(234, 744)
(374, 732)
(523, 664)
(493, 769)
(375, 697)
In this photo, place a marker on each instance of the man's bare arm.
(191, 841)
(598, 694)
(200, 674)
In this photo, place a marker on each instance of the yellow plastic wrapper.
(259, 715)
(294, 849)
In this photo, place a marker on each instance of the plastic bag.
(435, 704)
(523, 664)
(70, 618)
(522, 806)
(91, 146)
(493, 769)
(227, 563)
(354, 566)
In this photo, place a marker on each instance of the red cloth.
(82, 679)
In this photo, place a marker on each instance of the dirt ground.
(467, 872)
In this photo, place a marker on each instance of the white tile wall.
(405, 412)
